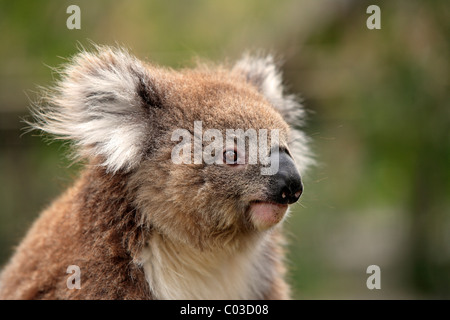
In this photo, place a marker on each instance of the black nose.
(286, 184)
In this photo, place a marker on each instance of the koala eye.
(230, 156)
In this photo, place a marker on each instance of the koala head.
(157, 127)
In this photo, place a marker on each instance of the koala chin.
(140, 224)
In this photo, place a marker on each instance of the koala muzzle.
(286, 185)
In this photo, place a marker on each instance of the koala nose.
(287, 184)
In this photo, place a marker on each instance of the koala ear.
(102, 105)
(263, 73)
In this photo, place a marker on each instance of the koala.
(137, 223)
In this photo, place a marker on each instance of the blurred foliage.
(379, 118)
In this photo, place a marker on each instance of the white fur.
(180, 272)
(96, 105)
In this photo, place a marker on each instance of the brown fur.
(138, 225)
(92, 226)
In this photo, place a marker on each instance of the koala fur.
(138, 225)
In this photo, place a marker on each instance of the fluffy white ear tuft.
(263, 73)
(101, 105)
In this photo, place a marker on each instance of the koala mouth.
(264, 214)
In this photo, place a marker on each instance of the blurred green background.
(379, 117)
